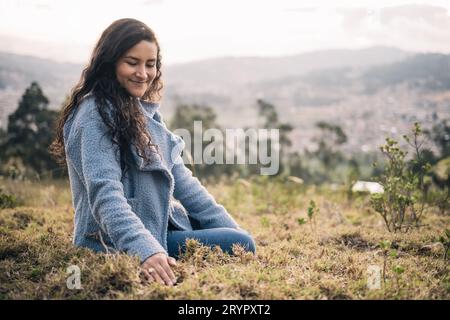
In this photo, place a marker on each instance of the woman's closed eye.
(134, 64)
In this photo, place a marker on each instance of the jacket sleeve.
(200, 205)
(96, 160)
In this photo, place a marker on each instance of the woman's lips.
(138, 82)
(139, 85)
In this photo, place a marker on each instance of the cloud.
(432, 16)
(151, 2)
(302, 9)
(411, 27)
(78, 53)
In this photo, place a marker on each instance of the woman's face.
(136, 69)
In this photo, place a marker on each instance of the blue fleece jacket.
(130, 212)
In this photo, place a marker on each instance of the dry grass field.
(331, 256)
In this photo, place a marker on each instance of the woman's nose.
(140, 72)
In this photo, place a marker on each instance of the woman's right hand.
(157, 268)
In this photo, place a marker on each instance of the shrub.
(7, 200)
(403, 201)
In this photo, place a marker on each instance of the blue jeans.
(223, 237)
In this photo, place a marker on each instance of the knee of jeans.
(246, 240)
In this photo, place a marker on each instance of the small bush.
(403, 201)
(7, 200)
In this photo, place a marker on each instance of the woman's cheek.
(152, 76)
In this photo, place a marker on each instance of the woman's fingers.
(172, 261)
(147, 275)
(162, 272)
(156, 275)
(158, 268)
(169, 271)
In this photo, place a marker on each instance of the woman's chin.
(136, 93)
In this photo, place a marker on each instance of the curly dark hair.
(118, 109)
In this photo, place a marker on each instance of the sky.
(191, 30)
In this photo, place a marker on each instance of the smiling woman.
(136, 70)
(125, 166)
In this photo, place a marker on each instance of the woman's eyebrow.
(137, 59)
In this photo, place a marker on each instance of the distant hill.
(244, 70)
(207, 76)
(358, 89)
(426, 71)
(421, 72)
(18, 71)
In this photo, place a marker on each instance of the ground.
(337, 255)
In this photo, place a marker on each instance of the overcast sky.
(66, 30)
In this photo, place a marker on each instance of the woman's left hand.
(157, 268)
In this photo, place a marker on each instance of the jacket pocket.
(179, 216)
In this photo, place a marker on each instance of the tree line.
(30, 130)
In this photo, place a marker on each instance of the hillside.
(370, 93)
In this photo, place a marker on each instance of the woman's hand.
(157, 268)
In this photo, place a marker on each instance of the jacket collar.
(149, 108)
(169, 145)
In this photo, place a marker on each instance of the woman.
(131, 191)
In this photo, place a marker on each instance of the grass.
(327, 260)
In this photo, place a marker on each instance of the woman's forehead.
(144, 50)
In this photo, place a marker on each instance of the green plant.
(312, 212)
(398, 270)
(402, 203)
(385, 245)
(265, 222)
(445, 240)
(7, 200)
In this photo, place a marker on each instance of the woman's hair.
(118, 109)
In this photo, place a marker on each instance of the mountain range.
(371, 92)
